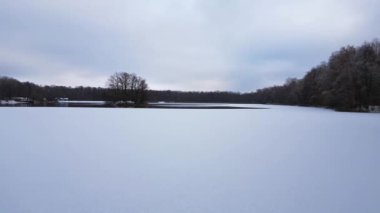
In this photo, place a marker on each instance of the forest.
(348, 81)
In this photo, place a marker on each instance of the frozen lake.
(282, 159)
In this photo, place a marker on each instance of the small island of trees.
(128, 89)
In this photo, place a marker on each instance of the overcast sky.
(238, 45)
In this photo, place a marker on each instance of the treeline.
(10, 88)
(123, 88)
(201, 97)
(349, 81)
(119, 89)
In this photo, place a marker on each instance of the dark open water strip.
(151, 105)
(202, 107)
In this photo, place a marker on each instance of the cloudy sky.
(238, 45)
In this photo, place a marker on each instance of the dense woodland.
(349, 81)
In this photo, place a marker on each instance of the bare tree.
(128, 87)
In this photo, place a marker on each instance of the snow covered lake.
(282, 159)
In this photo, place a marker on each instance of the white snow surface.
(97, 160)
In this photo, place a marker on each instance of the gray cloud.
(190, 45)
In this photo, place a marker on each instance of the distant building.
(20, 99)
(62, 99)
